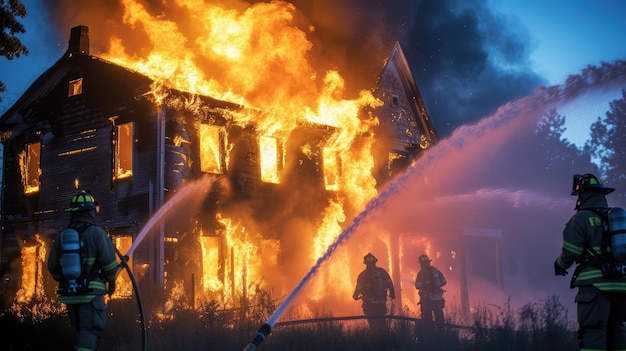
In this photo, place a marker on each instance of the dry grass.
(542, 325)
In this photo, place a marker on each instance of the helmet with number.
(424, 259)
(82, 201)
(589, 183)
(369, 258)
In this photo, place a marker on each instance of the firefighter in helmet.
(601, 301)
(374, 286)
(98, 269)
(429, 282)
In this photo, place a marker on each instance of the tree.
(559, 153)
(10, 46)
(608, 144)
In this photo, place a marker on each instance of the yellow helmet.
(82, 201)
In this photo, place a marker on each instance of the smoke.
(467, 59)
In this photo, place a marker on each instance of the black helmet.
(82, 201)
(589, 182)
(369, 258)
(423, 259)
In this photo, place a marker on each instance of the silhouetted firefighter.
(374, 286)
(429, 282)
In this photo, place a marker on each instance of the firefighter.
(601, 302)
(374, 286)
(429, 282)
(85, 304)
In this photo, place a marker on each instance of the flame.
(123, 285)
(270, 158)
(258, 56)
(31, 299)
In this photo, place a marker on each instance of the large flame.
(257, 56)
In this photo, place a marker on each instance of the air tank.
(617, 231)
(70, 258)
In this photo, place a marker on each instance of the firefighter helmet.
(589, 182)
(369, 258)
(423, 259)
(82, 201)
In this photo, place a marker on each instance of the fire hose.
(124, 265)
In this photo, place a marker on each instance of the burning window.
(75, 87)
(123, 285)
(331, 169)
(33, 258)
(29, 165)
(124, 135)
(397, 163)
(211, 146)
(270, 159)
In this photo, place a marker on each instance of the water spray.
(266, 328)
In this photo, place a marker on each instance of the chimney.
(79, 40)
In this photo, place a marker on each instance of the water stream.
(195, 189)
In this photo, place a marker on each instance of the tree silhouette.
(608, 145)
(559, 153)
(10, 46)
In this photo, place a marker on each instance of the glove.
(558, 270)
(111, 288)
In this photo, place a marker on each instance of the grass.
(542, 325)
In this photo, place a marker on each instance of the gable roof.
(408, 121)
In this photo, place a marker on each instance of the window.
(331, 169)
(211, 146)
(394, 100)
(123, 158)
(270, 159)
(75, 87)
(397, 163)
(124, 288)
(29, 166)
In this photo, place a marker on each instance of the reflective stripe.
(611, 286)
(575, 249)
(590, 274)
(76, 299)
(111, 266)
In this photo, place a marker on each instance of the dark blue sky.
(468, 57)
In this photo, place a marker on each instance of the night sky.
(468, 57)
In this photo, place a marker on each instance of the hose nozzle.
(260, 336)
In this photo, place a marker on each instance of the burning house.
(243, 197)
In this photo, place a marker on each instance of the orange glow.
(270, 159)
(29, 166)
(123, 285)
(210, 154)
(257, 56)
(124, 150)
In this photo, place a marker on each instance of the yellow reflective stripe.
(575, 249)
(590, 274)
(611, 286)
(83, 349)
(111, 266)
(75, 299)
(586, 349)
(560, 262)
(96, 284)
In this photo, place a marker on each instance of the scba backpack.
(612, 258)
(73, 261)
